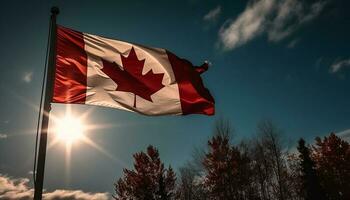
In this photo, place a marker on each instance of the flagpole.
(39, 179)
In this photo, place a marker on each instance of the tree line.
(260, 168)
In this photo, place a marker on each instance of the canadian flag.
(105, 72)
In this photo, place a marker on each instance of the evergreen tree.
(310, 185)
(148, 181)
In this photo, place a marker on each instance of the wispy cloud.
(27, 77)
(3, 136)
(278, 19)
(291, 14)
(344, 134)
(248, 25)
(318, 63)
(18, 189)
(292, 43)
(213, 14)
(339, 65)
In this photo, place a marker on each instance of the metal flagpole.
(39, 179)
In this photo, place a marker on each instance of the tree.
(191, 177)
(272, 149)
(262, 166)
(187, 176)
(310, 185)
(227, 168)
(332, 158)
(191, 184)
(294, 176)
(148, 181)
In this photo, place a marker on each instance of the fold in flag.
(99, 71)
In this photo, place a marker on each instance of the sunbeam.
(68, 128)
(103, 151)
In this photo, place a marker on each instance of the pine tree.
(148, 181)
(310, 185)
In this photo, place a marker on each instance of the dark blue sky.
(293, 69)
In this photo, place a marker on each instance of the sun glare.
(69, 129)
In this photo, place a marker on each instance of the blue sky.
(286, 60)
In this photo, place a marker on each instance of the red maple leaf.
(130, 79)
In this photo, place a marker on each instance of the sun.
(73, 129)
(69, 129)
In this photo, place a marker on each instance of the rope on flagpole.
(40, 105)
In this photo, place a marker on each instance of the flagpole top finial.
(55, 10)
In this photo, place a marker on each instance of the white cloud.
(278, 19)
(339, 65)
(18, 189)
(3, 136)
(291, 14)
(344, 134)
(15, 188)
(248, 25)
(292, 43)
(74, 194)
(213, 14)
(27, 77)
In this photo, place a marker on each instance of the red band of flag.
(71, 67)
